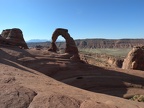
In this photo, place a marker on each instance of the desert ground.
(33, 78)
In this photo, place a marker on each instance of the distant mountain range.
(37, 40)
(109, 43)
(41, 40)
(96, 43)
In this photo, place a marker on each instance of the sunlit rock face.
(135, 59)
(13, 37)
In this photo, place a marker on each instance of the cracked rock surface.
(14, 96)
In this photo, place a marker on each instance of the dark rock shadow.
(100, 80)
(88, 77)
(10, 60)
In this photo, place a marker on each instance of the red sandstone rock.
(14, 96)
(22, 74)
(71, 47)
(135, 59)
(13, 37)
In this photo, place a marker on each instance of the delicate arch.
(71, 47)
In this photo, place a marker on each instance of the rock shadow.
(88, 77)
(11, 60)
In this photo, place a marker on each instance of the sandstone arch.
(71, 47)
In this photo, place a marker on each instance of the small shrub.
(139, 98)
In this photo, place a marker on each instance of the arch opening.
(61, 44)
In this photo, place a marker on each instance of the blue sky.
(111, 19)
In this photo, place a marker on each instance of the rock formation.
(135, 59)
(13, 37)
(14, 96)
(115, 62)
(33, 79)
(71, 47)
